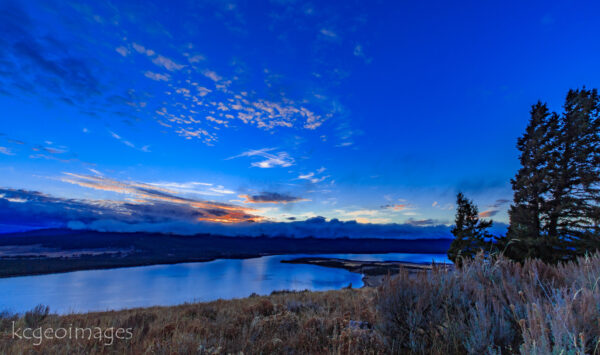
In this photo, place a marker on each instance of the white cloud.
(145, 148)
(196, 58)
(6, 151)
(212, 75)
(328, 33)
(156, 76)
(94, 171)
(167, 63)
(202, 91)
(142, 50)
(280, 159)
(122, 51)
(311, 177)
(359, 52)
(194, 187)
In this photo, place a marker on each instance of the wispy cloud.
(194, 187)
(494, 208)
(359, 52)
(142, 50)
(156, 76)
(212, 75)
(311, 177)
(328, 33)
(167, 63)
(122, 51)
(271, 197)
(424, 222)
(488, 213)
(6, 151)
(144, 194)
(271, 160)
(145, 148)
(396, 207)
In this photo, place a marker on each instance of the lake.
(113, 289)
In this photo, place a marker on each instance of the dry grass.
(488, 306)
(494, 306)
(297, 322)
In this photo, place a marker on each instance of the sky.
(261, 116)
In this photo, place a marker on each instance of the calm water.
(99, 290)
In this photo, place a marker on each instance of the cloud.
(156, 76)
(40, 64)
(271, 197)
(327, 33)
(53, 150)
(142, 50)
(494, 208)
(6, 151)
(212, 75)
(35, 209)
(500, 202)
(122, 51)
(423, 222)
(196, 58)
(167, 63)
(30, 208)
(280, 159)
(311, 177)
(488, 213)
(155, 210)
(396, 207)
(199, 112)
(144, 149)
(143, 193)
(194, 187)
(359, 52)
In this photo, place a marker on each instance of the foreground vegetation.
(487, 306)
(555, 213)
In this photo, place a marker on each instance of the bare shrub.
(494, 306)
(34, 317)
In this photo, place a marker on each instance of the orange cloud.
(148, 194)
(488, 213)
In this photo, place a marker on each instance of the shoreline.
(57, 251)
(373, 272)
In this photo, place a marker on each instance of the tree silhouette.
(526, 236)
(555, 213)
(470, 233)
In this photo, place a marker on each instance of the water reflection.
(98, 290)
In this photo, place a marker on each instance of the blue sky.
(377, 112)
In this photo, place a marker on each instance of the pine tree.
(574, 212)
(555, 213)
(527, 237)
(470, 233)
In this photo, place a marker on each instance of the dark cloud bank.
(20, 209)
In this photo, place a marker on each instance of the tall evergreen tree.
(470, 233)
(527, 237)
(574, 212)
(555, 213)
